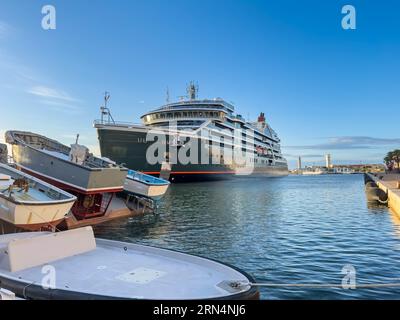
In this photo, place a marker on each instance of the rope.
(24, 290)
(324, 285)
(45, 221)
(240, 285)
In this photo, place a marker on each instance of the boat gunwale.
(70, 197)
(21, 142)
(23, 288)
(162, 183)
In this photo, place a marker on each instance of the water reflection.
(293, 229)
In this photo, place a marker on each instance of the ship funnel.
(261, 118)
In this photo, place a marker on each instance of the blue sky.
(322, 88)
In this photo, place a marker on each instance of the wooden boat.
(29, 203)
(145, 185)
(89, 268)
(92, 180)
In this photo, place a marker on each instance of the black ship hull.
(129, 147)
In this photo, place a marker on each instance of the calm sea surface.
(296, 229)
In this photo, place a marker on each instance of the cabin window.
(185, 114)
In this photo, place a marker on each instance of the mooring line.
(326, 285)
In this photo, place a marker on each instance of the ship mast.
(105, 111)
(167, 98)
(192, 90)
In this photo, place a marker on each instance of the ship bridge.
(189, 113)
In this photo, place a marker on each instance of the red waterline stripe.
(192, 172)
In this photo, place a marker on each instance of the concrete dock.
(389, 183)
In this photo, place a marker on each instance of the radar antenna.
(167, 98)
(192, 90)
(105, 111)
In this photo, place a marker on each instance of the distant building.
(299, 164)
(359, 168)
(328, 161)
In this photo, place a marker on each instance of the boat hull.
(115, 270)
(155, 192)
(33, 217)
(36, 206)
(129, 147)
(71, 176)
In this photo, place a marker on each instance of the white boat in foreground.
(145, 185)
(29, 203)
(89, 268)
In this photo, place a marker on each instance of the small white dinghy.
(141, 184)
(74, 265)
(29, 203)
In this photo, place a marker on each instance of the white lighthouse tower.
(328, 161)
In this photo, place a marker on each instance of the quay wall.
(388, 183)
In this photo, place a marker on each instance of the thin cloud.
(349, 142)
(11, 68)
(5, 29)
(46, 92)
(61, 106)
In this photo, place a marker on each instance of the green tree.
(393, 157)
(388, 159)
(396, 157)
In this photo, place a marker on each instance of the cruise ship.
(193, 139)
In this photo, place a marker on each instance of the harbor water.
(296, 229)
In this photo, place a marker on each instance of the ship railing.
(116, 123)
